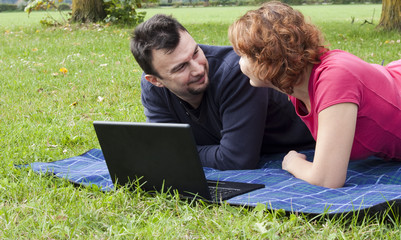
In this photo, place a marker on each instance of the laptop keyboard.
(222, 193)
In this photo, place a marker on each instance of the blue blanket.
(371, 183)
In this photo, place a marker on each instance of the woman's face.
(246, 66)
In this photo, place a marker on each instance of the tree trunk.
(87, 11)
(391, 15)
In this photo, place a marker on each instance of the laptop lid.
(162, 155)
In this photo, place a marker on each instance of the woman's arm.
(336, 130)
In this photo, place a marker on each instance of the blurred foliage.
(123, 12)
(117, 11)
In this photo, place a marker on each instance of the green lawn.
(47, 115)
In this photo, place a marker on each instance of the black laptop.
(161, 156)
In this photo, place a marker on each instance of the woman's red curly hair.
(279, 43)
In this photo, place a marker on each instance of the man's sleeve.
(155, 103)
(243, 110)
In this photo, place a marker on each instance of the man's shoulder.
(222, 60)
(219, 53)
(214, 48)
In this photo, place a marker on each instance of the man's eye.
(180, 67)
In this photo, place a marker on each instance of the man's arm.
(242, 110)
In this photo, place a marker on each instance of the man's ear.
(153, 80)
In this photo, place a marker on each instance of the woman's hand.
(290, 160)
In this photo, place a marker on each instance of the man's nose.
(196, 68)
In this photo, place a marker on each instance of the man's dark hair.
(158, 32)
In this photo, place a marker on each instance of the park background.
(56, 80)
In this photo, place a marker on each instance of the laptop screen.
(163, 155)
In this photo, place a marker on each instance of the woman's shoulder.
(341, 62)
(338, 56)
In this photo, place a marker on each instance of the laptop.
(160, 157)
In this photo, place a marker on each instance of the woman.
(351, 107)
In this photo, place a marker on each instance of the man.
(183, 82)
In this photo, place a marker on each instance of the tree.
(391, 15)
(83, 11)
(87, 11)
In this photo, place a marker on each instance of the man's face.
(184, 71)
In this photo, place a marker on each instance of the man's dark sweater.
(235, 123)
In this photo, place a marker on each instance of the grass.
(47, 115)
